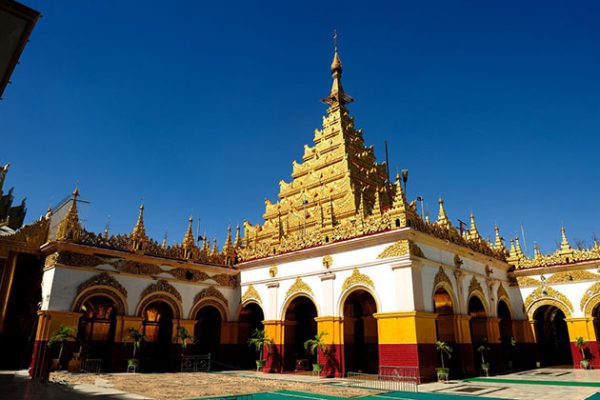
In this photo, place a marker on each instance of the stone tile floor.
(520, 391)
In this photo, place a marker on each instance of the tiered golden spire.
(518, 250)
(565, 246)
(215, 249)
(138, 234)
(473, 232)
(442, 219)
(189, 243)
(229, 249)
(499, 243)
(537, 254)
(69, 229)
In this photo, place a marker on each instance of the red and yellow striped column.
(583, 327)
(408, 339)
(274, 330)
(333, 361)
(526, 349)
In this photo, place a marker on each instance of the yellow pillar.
(333, 328)
(463, 328)
(493, 329)
(583, 327)
(274, 330)
(229, 332)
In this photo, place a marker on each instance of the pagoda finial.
(164, 242)
(205, 247)
(565, 246)
(237, 243)
(337, 96)
(473, 232)
(537, 254)
(499, 244)
(215, 249)
(69, 229)
(228, 240)
(189, 244)
(442, 218)
(518, 250)
(138, 234)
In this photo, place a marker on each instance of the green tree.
(259, 340)
(185, 337)
(137, 338)
(443, 348)
(61, 335)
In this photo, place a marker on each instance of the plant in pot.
(580, 343)
(482, 349)
(186, 338)
(259, 340)
(444, 349)
(61, 335)
(317, 345)
(137, 338)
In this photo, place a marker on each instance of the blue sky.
(200, 107)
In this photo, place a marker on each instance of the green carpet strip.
(534, 382)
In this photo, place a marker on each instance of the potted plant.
(61, 335)
(259, 340)
(580, 343)
(443, 372)
(185, 337)
(137, 338)
(481, 349)
(317, 345)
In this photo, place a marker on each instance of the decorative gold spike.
(138, 234)
(205, 246)
(238, 241)
(537, 254)
(566, 250)
(164, 242)
(442, 219)
(473, 232)
(377, 210)
(215, 249)
(596, 245)
(499, 243)
(69, 229)
(189, 244)
(518, 250)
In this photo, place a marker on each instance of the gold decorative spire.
(164, 242)
(69, 229)
(228, 249)
(565, 247)
(189, 244)
(138, 234)
(228, 241)
(596, 244)
(215, 249)
(499, 243)
(442, 219)
(238, 241)
(518, 250)
(537, 254)
(377, 210)
(205, 247)
(337, 97)
(473, 232)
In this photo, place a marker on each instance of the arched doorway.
(251, 318)
(157, 327)
(552, 336)
(361, 352)
(506, 334)
(300, 325)
(596, 316)
(445, 326)
(97, 329)
(208, 331)
(478, 327)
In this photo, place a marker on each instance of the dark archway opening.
(552, 336)
(300, 325)
(361, 346)
(158, 329)
(507, 339)
(445, 325)
(251, 318)
(208, 332)
(596, 315)
(478, 327)
(96, 330)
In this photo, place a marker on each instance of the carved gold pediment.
(251, 294)
(357, 278)
(299, 286)
(551, 296)
(401, 248)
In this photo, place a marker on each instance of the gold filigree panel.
(299, 286)
(251, 294)
(570, 276)
(525, 281)
(401, 248)
(592, 293)
(550, 296)
(441, 277)
(357, 278)
(210, 291)
(501, 292)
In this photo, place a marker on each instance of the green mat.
(534, 382)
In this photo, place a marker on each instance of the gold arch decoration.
(476, 290)
(502, 293)
(161, 286)
(440, 278)
(475, 286)
(210, 296)
(210, 291)
(299, 286)
(402, 248)
(552, 297)
(524, 281)
(251, 294)
(590, 299)
(357, 278)
(570, 276)
(102, 279)
(160, 296)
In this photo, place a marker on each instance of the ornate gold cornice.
(251, 294)
(357, 278)
(570, 276)
(441, 277)
(161, 286)
(401, 248)
(102, 279)
(210, 291)
(525, 281)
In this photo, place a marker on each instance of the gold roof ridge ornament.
(138, 234)
(189, 244)
(69, 229)
(337, 97)
(499, 242)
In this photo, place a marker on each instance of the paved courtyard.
(542, 384)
